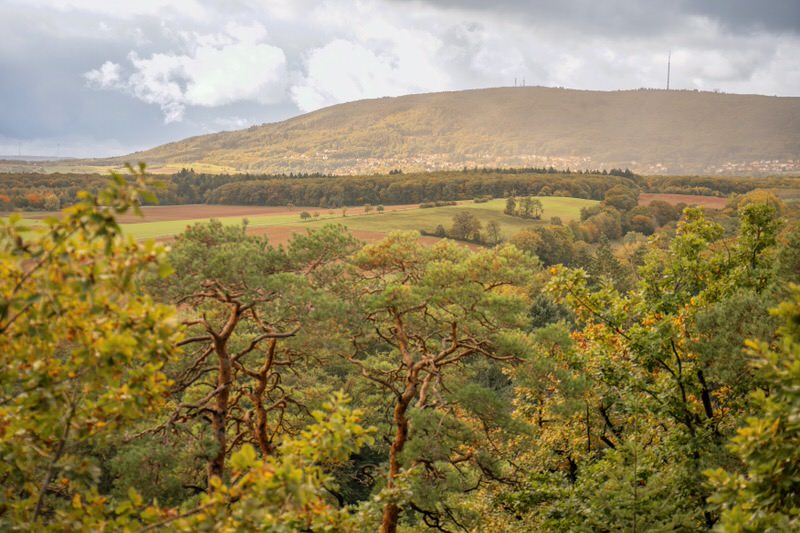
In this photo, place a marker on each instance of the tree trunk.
(257, 398)
(261, 418)
(219, 418)
(391, 512)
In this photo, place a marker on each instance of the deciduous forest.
(565, 380)
(29, 191)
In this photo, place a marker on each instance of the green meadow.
(427, 219)
(168, 228)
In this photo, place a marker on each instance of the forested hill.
(648, 131)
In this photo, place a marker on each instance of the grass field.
(279, 223)
(166, 221)
(427, 219)
(169, 228)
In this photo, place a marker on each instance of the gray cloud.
(766, 15)
(90, 78)
(640, 16)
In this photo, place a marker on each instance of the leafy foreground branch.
(83, 354)
(81, 350)
(766, 496)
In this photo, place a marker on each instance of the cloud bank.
(169, 69)
(221, 69)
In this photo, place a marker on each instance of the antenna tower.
(669, 64)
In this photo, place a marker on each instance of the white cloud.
(376, 52)
(157, 81)
(240, 71)
(105, 77)
(342, 71)
(283, 10)
(223, 69)
(246, 33)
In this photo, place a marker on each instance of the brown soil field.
(163, 213)
(712, 202)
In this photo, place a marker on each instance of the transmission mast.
(669, 64)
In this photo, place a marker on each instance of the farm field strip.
(712, 202)
(401, 217)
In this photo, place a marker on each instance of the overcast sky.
(106, 77)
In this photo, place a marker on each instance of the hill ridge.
(652, 131)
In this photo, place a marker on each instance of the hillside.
(649, 131)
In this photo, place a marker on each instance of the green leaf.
(134, 496)
(244, 458)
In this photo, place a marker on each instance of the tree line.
(52, 191)
(39, 192)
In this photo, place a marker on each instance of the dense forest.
(225, 384)
(27, 191)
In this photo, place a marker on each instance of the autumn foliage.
(552, 383)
